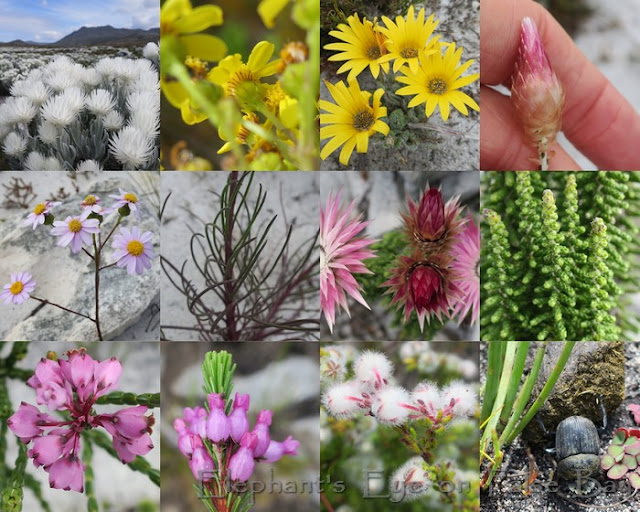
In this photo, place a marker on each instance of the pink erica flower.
(341, 255)
(277, 449)
(74, 385)
(218, 425)
(242, 462)
(261, 430)
(536, 92)
(466, 261)
(238, 417)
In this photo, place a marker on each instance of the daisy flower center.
(90, 200)
(374, 52)
(74, 225)
(409, 53)
(39, 210)
(437, 86)
(131, 198)
(16, 288)
(135, 248)
(363, 120)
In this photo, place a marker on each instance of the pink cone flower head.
(277, 449)
(18, 290)
(134, 250)
(74, 385)
(238, 417)
(429, 287)
(126, 199)
(373, 369)
(341, 256)
(261, 429)
(39, 214)
(466, 262)
(431, 224)
(536, 92)
(242, 462)
(218, 425)
(76, 231)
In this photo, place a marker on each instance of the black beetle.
(577, 448)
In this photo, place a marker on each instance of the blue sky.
(50, 20)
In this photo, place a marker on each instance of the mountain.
(108, 35)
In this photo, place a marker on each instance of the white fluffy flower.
(48, 132)
(37, 92)
(18, 87)
(389, 405)
(345, 400)
(14, 144)
(147, 82)
(52, 164)
(59, 111)
(91, 77)
(151, 51)
(35, 161)
(19, 110)
(61, 81)
(75, 97)
(131, 147)
(429, 394)
(409, 481)
(100, 102)
(464, 395)
(88, 165)
(373, 369)
(113, 121)
(147, 122)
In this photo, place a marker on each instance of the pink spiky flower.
(429, 287)
(537, 94)
(341, 255)
(431, 224)
(466, 261)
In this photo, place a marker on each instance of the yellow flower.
(234, 75)
(363, 45)
(407, 38)
(437, 81)
(350, 120)
(282, 105)
(269, 10)
(179, 19)
(241, 136)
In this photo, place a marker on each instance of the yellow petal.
(199, 19)
(204, 47)
(260, 55)
(269, 10)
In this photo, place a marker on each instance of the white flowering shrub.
(67, 116)
(401, 436)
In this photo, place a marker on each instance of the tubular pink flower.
(130, 422)
(67, 473)
(51, 388)
(341, 256)
(28, 422)
(242, 464)
(18, 290)
(76, 231)
(238, 418)
(39, 214)
(47, 449)
(133, 250)
(201, 464)
(129, 449)
(537, 94)
(276, 449)
(218, 425)
(261, 430)
(466, 262)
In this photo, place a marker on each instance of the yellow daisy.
(407, 38)
(350, 120)
(233, 74)
(363, 46)
(437, 81)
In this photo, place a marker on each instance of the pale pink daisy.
(76, 231)
(126, 199)
(466, 254)
(39, 214)
(18, 290)
(92, 203)
(341, 256)
(133, 250)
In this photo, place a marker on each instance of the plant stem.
(109, 265)
(494, 369)
(516, 377)
(229, 293)
(45, 301)
(96, 259)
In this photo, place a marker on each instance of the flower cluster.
(65, 116)
(429, 68)
(258, 103)
(73, 385)
(370, 392)
(228, 437)
(421, 356)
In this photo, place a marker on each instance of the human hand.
(597, 119)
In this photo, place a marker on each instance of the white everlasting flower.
(410, 481)
(389, 405)
(113, 121)
(143, 100)
(75, 97)
(151, 51)
(100, 102)
(147, 82)
(91, 78)
(374, 369)
(105, 67)
(89, 165)
(37, 92)
(59, 111)
(345, 400)
(4, 129)
(48, 132)
(14, 144)
(61, 81)
(19, 110)
(35, 161)
(464, 395)
(131, 147)
(52, 164)
(148, 122)
(18, 87)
